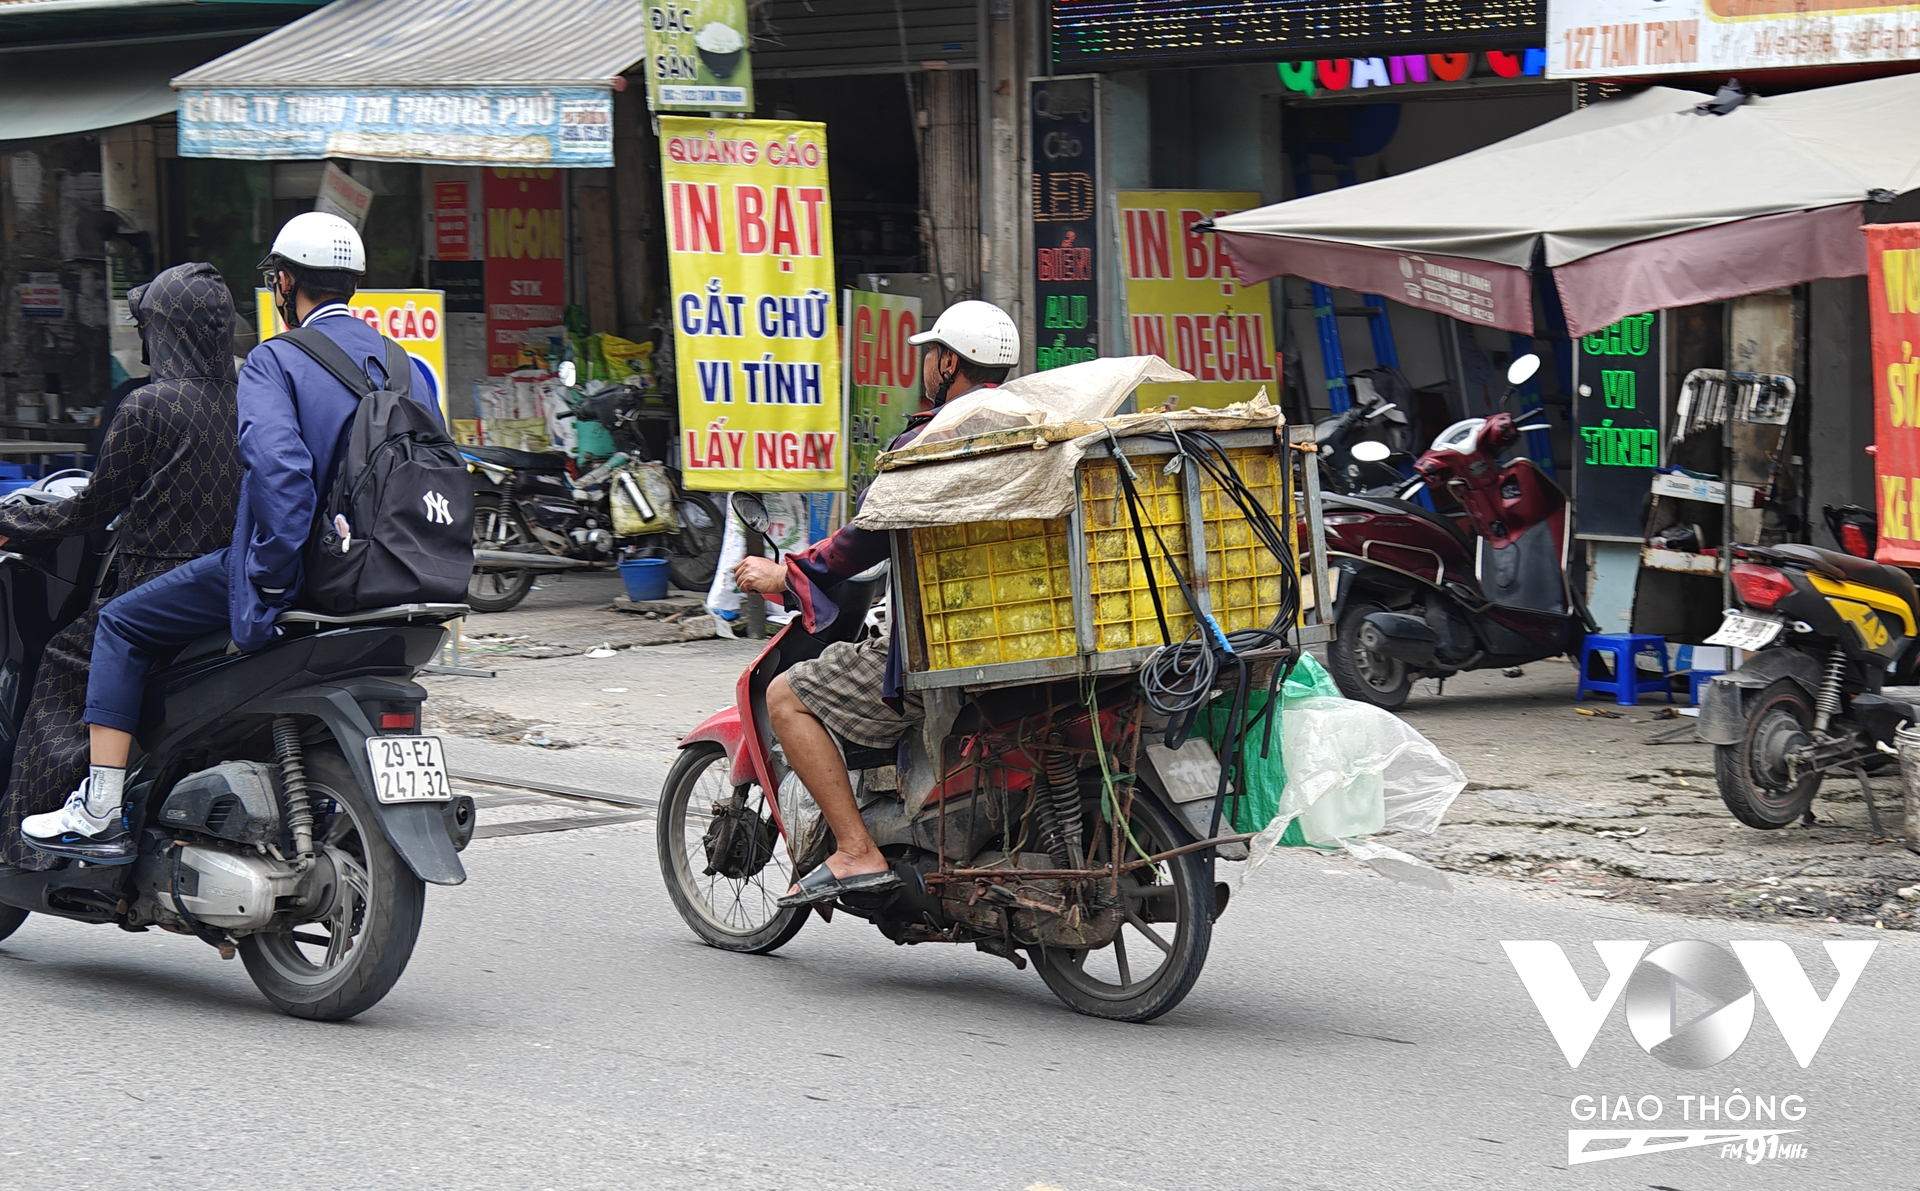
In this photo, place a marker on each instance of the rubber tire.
(10, 919)
(1753, 802)
(693, 554)
(674, 793)
(1342, 664)
(385, 941)
(1198, 901)
(518, 583)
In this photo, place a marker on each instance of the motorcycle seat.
(1851, 568)
(1401, 508)
(521, 460)
(221, 642)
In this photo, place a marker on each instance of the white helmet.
(317, 240)
(978, 332)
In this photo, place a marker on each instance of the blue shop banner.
(563, 126)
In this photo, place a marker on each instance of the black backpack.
(403, 489)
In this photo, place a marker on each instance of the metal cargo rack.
(1040, 604)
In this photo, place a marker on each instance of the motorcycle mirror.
(1370, 451)
(752, 512)
(568, 374)
(1535, 426)
(1521, 370)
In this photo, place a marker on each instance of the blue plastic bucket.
(646, 578)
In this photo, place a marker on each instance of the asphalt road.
(560, 1028)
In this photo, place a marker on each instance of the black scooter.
(286, 807)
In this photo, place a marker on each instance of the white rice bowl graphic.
(720, 47)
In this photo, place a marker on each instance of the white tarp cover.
(1034, 478)
(1691, 206)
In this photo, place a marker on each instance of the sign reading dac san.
(750, 260)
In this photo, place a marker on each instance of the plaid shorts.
(842, 688)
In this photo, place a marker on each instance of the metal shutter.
(834, 37)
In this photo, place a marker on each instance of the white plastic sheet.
(1354, 769)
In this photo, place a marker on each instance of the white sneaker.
(81, 828)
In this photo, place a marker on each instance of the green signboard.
(882, 372)
(698, 56)
(1616, 418)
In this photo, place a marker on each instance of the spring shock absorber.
(293, 776)
(1826, 705)
(1063, 791)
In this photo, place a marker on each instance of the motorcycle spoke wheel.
(694, 552)
(1167, 929)
(732, 913)
(497, 526)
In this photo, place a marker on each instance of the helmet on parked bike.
(319, 241)
(978, 332)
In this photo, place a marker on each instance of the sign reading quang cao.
(750, 258)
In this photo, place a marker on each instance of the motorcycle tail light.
(1853, 539)
(1760, 587)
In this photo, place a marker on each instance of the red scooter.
(1003, 837)
(1422, 594)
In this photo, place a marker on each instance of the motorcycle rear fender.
(1723, 705)
(421, 832)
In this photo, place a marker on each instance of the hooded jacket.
(168, 460)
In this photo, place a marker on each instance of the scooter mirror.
(1370, 451)
(752, 512)
(1521, 370)
(568, 374)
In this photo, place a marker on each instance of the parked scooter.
(285, 804)
(1128, 946)
(1421, 594)
(533, 513)
(1361, 449)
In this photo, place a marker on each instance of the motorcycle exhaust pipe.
(1400, 635)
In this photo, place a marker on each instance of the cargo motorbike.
(286, 807)
(997, 849)
(1830, 679)
(1426, 594)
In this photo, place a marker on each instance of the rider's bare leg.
(811, 752)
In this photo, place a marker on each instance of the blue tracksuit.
(293, 420)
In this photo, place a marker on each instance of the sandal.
(821, 885)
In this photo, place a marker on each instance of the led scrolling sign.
(1089, 33)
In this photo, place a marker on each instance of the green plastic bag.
(1266, 777)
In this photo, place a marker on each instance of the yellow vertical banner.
(416, 319)
(750, 260)
(1186, 305)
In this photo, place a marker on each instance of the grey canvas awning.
(61, 92)
(1638, 204)
(477, 82)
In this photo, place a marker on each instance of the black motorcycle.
(533, 514)
(286, 807)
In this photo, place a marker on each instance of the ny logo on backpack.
(369, 546)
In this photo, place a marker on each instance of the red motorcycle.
(1005, 836)
(1425, 594)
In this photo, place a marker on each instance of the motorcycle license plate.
(408, 769)
(1742, 631)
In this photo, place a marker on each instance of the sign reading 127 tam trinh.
(1893, 303)
(750, 259)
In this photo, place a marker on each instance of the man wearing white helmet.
(292, 418)
(854, 691)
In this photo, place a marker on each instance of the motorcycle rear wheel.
(733, 915)
(1359, 672)
(1752, 775)
(497, 525)
(10, 919)
(334, 969)
(1101, 981)
(693, 554)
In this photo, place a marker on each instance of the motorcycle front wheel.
(731, 913)
(1156, 956)
(693, 554)
(1752, 775)
(342, 963)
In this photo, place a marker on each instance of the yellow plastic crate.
(1243, 576)
(995, 592)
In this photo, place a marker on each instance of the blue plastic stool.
(1626, 685)
(1696, 678)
